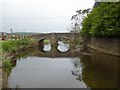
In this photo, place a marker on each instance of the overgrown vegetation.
(15, 45)
(7, 65)
(102, 21)
(46, 41)
(12, 47)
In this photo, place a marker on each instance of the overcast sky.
(52, 15)
(42, 8)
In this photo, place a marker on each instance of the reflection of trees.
(77, 70)
(96, 70)
(99, 70)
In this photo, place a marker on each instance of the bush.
(7, 66)
(103, 21)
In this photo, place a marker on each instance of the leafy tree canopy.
(102, 21)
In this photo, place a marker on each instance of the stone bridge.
(55, 53)
(55, 37)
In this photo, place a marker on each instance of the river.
(73, 69)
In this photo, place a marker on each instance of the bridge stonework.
(54, 38)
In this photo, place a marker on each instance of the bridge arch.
(44, 43)
(55, 37)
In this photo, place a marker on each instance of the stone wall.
(106, 45)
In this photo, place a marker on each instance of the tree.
(77, 19)
(103, 21)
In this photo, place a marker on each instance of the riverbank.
(13, 47)
(9, 49)
(105, 45)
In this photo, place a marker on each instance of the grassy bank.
(11, 48)
(16, 45)
(8, 50)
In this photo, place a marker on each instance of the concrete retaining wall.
(105, 45)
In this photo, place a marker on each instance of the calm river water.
(73, 69)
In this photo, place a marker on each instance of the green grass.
(12, 46)
(0, 45)
(15, 45)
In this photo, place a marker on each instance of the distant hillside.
(21, 33)
(25, 33)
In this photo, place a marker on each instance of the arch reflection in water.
(62, 47)
(37, 71)
(44, 45)
(65, 70)
(47, 47)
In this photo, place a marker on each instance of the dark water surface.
(37, 69)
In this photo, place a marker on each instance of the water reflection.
(47, 47)
(100, 70)
(73, 69)
(41, 72)
(77, 70)
(62, 47)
